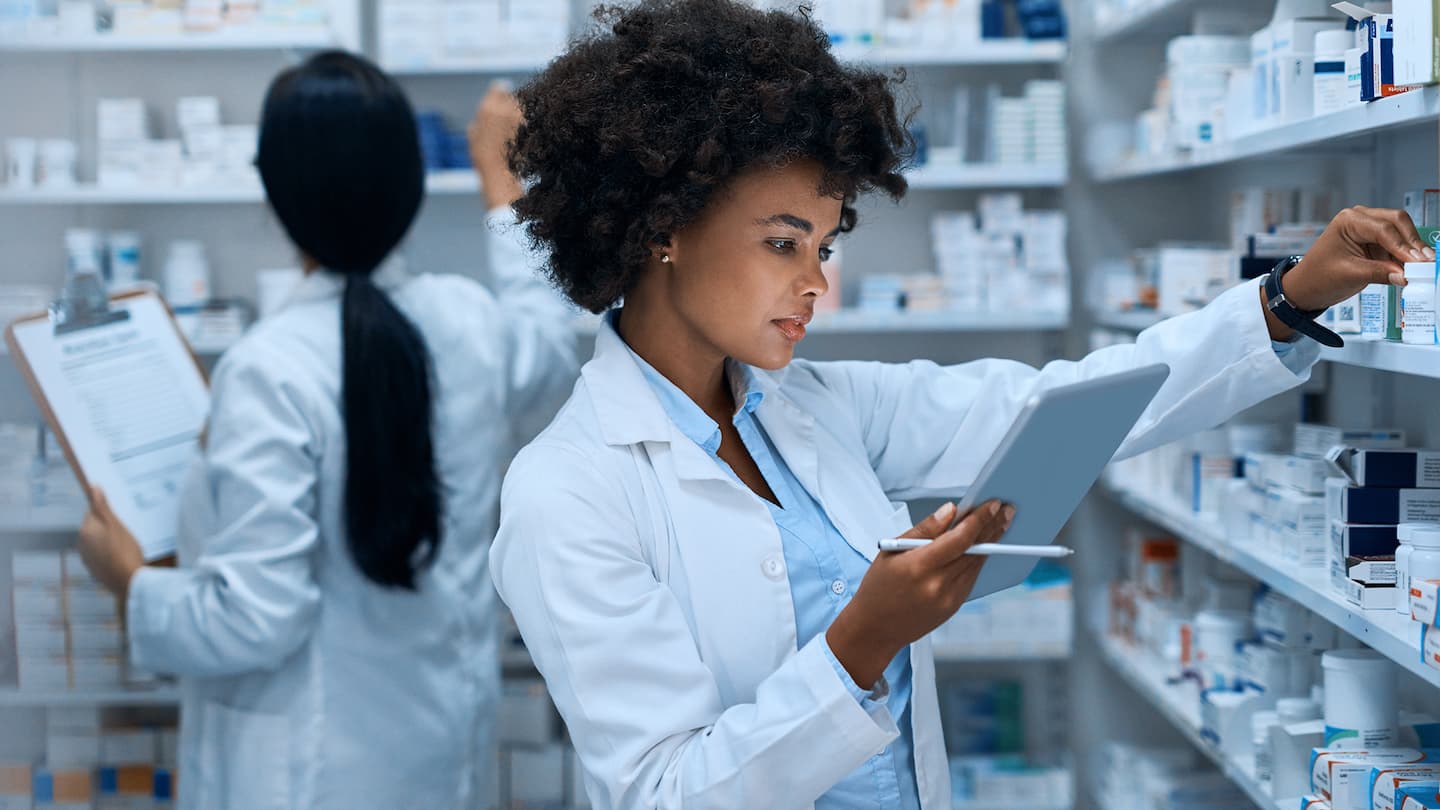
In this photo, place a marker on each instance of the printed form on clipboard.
(127, 399)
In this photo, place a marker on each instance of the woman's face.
(745, 275)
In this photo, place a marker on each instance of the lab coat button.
(773, 567)
(838, 587)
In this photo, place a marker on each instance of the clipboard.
(126, 397)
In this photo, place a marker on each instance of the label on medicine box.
(1423, 795)
(1315, 441)
(1327, 766)
(36, 568)
(43, 672)
(1386, 779)
(40, 638)
(1306, 474)
(1399, 469)
(1371, 570)
(1370, 505)
(1370, 597)
(1424, 596)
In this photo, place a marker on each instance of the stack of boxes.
(537, 768)
(430, 33)
(1030, 130)
(1365, 509)
(1006, 260)
(91, 765)
(67, 626)
(1387, 779)
(207, 151)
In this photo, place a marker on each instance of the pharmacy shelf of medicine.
(1180, 705)
(457, 182)
(860, 322)
(1146, 18)
(1387, 632)
(985, 52)
(973, 654)
(254, 39)
(497, 64)
(43, 524)
(1416, 108)
(1380, 355)
(1133, 321)
(460, 181)
(942, 176)
(13, 698)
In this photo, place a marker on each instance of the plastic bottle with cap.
(1217, 632)
(1422, 562)
(1260, 724)
(187, 274)
(1361, 713)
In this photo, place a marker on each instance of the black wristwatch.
(1298, 319)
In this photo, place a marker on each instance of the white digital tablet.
(1051, 456)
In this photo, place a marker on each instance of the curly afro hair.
(630, 134)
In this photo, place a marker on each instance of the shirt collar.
(689, 417)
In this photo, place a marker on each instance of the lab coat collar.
(323, 284)
(628, 409)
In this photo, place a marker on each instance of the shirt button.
(773, 567)
(838, 587)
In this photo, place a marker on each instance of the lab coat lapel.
(795, 436)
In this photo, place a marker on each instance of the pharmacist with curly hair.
(690, 548)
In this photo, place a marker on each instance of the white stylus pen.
(981, 549)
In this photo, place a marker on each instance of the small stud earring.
(664, 258)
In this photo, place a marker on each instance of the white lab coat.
(651, 587)
(304, 685)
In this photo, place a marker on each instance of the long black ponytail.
(340, 159)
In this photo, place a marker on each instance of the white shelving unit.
(1144, 18)
(1387, 632)
(251, 39)
(1416, 108)
(13, 698)
(946, 654)
(1180, 705)
(964, 176)
(458, 182)
(984, 52)
(40, 525)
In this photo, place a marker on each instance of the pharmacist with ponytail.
(331, 621)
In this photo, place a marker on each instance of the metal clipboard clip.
(83, 304)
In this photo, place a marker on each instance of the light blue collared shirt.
(824, 571)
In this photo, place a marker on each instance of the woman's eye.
(783, 245)
(826, 253)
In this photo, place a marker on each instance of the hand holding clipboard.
(127, 399)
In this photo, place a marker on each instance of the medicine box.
(1430, 646)
(1386, 780)
(1315, 441)
(1330, 767)
(70, 788)
(1367, 542)
(1417, 42)
(536, 775)
(1313, 803)
(1349, 778)
(15, 787)
(1307, 474)
(128, 747)
(1399, 469)
(1370, 597)
(1371, 570)
(125, 787)
(1370, 505)
(1424, 596)
(1418, 796)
